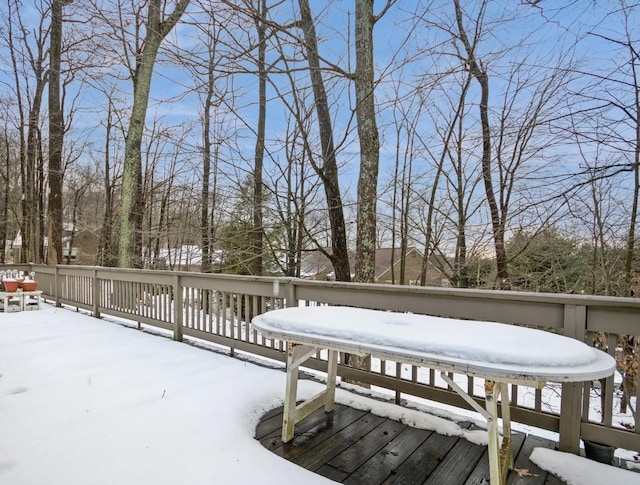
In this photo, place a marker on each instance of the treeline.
(500, 138)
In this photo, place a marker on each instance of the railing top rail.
(373, 288)
(473, 293)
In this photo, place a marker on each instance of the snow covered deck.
(87, 400)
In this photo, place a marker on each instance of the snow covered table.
(497, 352)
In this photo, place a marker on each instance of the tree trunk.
(369, 143)
(205, 264)
(329, 174)
(161, 222)
(74, 216)
(4, 216)
(258, 229)
(460, 263)
(22, 139)
(30, 205)
(105, 251)
(628, 364)
(631, 236)
(131, 217)
(479, 73)
(56, 134)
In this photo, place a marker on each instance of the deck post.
(178, 309)
(575, 324)
(290, 293)
(57, 283)
(96, 293)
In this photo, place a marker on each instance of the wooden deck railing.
(219, 308)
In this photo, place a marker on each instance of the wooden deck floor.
(357, 447)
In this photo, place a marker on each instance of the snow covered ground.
(88, 401)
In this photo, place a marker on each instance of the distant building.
(77, 247)
(315, 265)
(187, 257)
(84, 250)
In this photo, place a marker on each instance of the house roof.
(315, 263)
(384, 258)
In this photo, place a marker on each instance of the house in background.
(84, 250)
(388, 271)
(315, 265)
(77, 248)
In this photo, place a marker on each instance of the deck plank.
(480, 473)
(332, 473)
(269, 431)
(457, 464)
(357, 454)
(317, 435)
(385, 462)
(423, 461)
(537, 476)
(338, 442)
(356, 447)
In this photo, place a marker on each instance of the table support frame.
(496, 392)
(297, 354)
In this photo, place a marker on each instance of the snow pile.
(576, 470)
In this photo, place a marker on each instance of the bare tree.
(56, 135)
(157, 28)
(460, 180)
(622, 98)
(77, 184)
(610, 120)
(368, 136)
(515, 132)
(328, 173)
(480, 74)
(106, 254)
(27, 51)
(258, 199)
(208, 192)
(8, 177)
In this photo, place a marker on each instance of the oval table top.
(492, 350)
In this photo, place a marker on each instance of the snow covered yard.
(84, 401)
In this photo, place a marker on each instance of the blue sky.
(539, 32)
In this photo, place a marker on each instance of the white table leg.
(506, 452)
(291, 391)
(332, 370)
(491, 389)
(500, 454)
(293, 413)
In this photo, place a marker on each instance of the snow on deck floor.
(84, 401)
